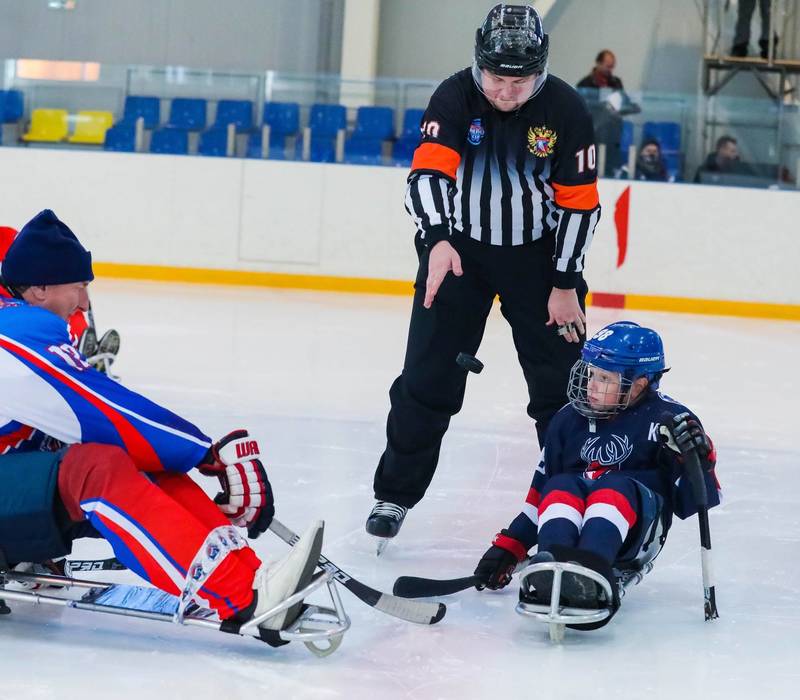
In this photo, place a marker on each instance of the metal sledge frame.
(557, 616)
(315, 624)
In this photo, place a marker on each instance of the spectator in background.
(602, 75)
(650, 164)
(743, 21)
(724, 159)
(608, 103)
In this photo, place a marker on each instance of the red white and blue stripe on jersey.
(48, 387)
(646, 460)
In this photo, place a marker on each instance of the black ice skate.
(107, 350)
(384, 522)
(538, 586)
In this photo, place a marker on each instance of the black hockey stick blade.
(419, 587)
(71, 566)
(419, 612)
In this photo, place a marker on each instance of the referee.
(503, 192)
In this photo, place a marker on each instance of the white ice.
(309, 373)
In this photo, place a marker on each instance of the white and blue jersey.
(47, 390)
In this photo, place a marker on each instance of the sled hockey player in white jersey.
(613, 471)
(81, 455)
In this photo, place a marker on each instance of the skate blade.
(382, 544)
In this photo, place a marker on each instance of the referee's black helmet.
(511, 41)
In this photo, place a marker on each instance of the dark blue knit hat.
(46, 251)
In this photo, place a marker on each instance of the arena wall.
(701, 249)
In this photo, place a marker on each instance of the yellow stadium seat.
(47, 125)
(91, 127)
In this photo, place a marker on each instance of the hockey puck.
(469, 363)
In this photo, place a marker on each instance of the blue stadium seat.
(325, 120)
(213, 142)
(667, 133)
(238, 112)
(121, 137)
(405, 146)
(145, 106)
(283, 119)
(167, 140)
(187, 113)
(361, 151)
(374, 123)
(13, 106)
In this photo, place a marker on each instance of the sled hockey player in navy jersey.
(610, 478)
(81, 455)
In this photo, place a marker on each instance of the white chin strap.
(477, 77)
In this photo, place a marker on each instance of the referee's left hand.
(563, 309)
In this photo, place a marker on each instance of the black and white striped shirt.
(507, 178)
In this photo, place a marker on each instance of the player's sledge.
(569, 590)
(319, 628)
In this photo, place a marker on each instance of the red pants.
(156, 524)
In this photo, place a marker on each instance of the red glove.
(246, 496)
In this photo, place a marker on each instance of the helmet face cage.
(511, 41)
(578, 392)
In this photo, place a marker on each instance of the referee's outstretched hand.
(443, 259)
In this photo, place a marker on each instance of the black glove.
(498, 563)
(685, 434)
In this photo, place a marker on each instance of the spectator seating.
(147, 107)
(405, 146)
(12, 106)
(238, 112)
(325, 122)
(374, 125)
(187, 113)
(169, 140)
(283, 119)
(214, 142)
(121, 137)
(91, 127)
(47, 125)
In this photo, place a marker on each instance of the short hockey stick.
(419, 587)
(694, 472)
(411, 611)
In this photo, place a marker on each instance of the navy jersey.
(628, 443)
(508, 178)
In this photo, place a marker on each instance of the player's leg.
(610, 521)
(166, 544)
(188, 493)
(560, 514)
(561, 511)
(431, 388)
(524, 279)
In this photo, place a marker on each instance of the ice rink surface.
(308, 373)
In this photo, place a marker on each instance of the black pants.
(431, 388)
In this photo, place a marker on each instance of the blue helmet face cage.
(625, 348)
(511, 41)
(578, 392)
